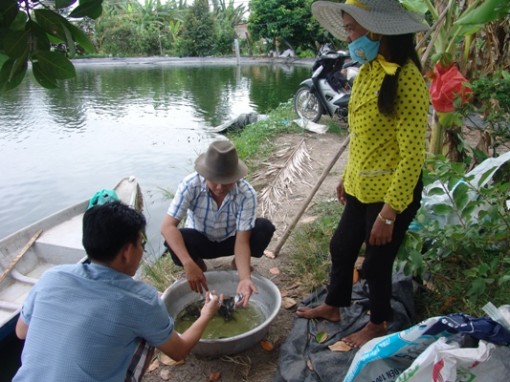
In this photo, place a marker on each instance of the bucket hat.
(220, 163)
(385, 17)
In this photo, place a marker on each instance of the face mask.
(363, 49)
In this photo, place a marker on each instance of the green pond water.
(243, 320)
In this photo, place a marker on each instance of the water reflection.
(58, 147)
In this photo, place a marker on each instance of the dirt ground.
(257, 364)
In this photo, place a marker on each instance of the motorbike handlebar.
(350, 64)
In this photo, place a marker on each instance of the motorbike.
(328, 90)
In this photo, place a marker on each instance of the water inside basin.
(268, 299)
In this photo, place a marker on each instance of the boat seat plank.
(68, 234)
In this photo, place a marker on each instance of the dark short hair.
(108, 227)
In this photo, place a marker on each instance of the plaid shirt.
(237, 212)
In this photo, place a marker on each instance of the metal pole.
(236, 47)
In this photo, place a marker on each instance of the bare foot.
(328, 312)
(369, 332)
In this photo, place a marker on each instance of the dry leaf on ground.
(339, 346)
(214, 376)
(289, 302)
(153, 366)
(309, 364)
(275, 271)
(266, 345)
(165, 374)
(166, 360)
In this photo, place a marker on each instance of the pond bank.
(158, 60)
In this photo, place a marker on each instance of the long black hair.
(401, 49)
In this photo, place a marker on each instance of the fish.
(226, 310)
(228, 306)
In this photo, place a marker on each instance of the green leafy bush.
(461, 245)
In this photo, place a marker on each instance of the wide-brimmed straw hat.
(386, 17)
(220, 163)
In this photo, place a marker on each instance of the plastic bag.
(102, 197)
(501, 315)
(448, 84)
(447, 361)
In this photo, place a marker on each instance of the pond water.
(57, 147)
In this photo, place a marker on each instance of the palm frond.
(294, 163)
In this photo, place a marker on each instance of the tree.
(129, 27)
(227, 16)
(198, 36)
(290, 21)
(232, 14)
(29, 31)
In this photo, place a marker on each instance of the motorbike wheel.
(306, 105)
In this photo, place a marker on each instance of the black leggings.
(353, 230)
(200, 247)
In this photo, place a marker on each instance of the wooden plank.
(18, 257)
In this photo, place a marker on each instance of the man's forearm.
(242, 254)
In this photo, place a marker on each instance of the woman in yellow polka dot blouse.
(381, 186)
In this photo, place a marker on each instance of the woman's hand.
(340, 192)
(382, 229)
(381, 233)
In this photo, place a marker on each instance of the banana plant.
(174, 28)
(457, 25)
(229, 11)
(454, 25)
(28, 32)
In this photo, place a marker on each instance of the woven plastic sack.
(385, 358)
(392, 357)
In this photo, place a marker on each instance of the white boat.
(56, 239)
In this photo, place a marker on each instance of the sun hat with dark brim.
(385, 17)
(220, 163)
